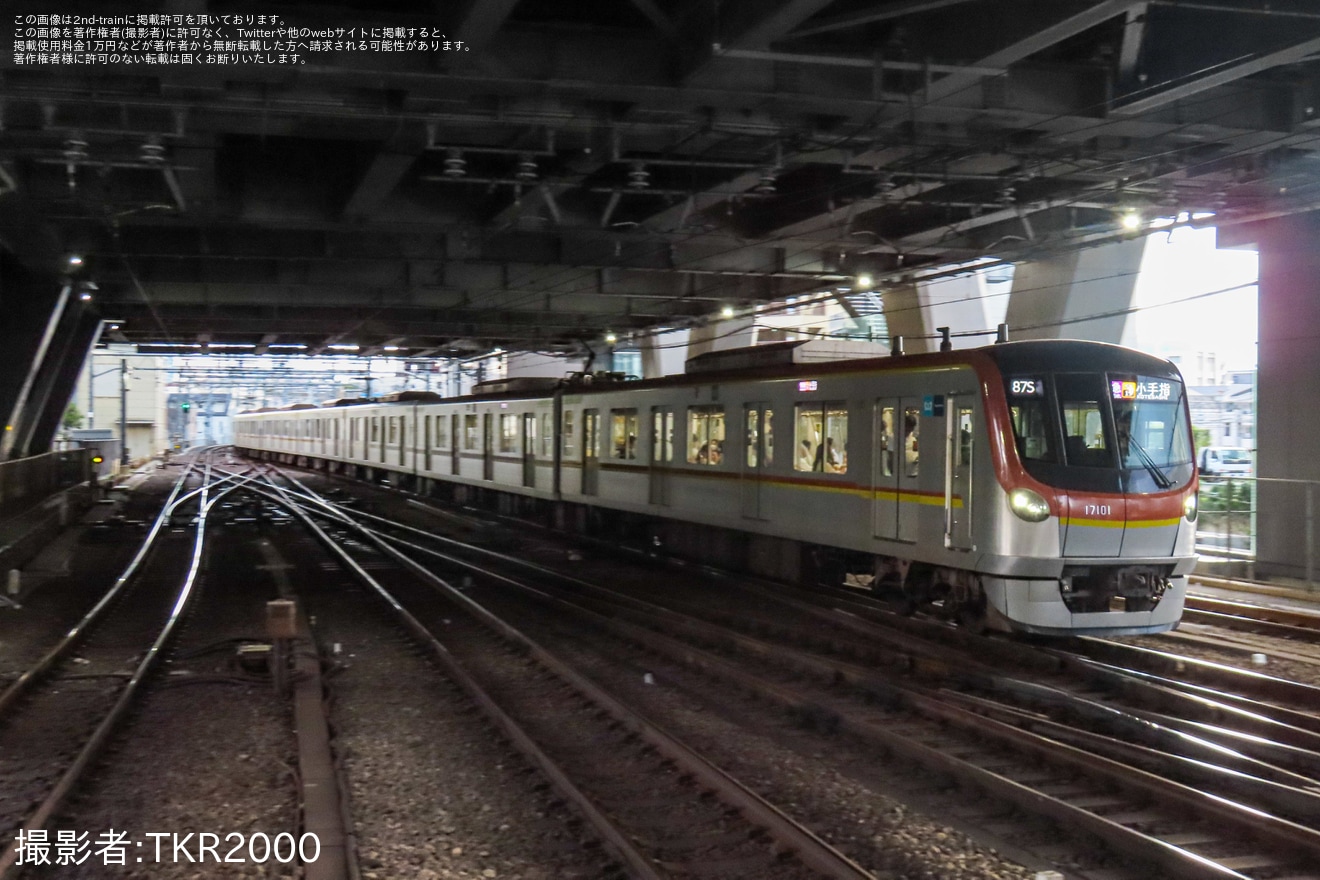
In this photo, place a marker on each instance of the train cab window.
(662, 435)
(1084, 440)
(705, 435)
(570, 437)
(508, 432)
(821, 437)
(623, 434)
(1031, 430)
(471, 431)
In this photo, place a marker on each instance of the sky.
(1183, 264)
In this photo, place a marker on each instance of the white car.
(1224, 461)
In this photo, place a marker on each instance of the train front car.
(1096, 512)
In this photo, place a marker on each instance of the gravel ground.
(435, 792)
(204, 752)
(821, 780)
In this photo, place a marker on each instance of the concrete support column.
(58, 377)
(1082, 295)
(905, 317)
(32, 305)
(1287, 395)
(721, 336)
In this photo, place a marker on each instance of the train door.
(488, 446)
(958, 442)
(886, 463)
(590, 452)
(758, 452)
(529, 449)
(662, 453)
(455, 443)
(909, 468)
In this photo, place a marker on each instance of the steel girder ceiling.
(627, 165)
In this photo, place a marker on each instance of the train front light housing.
(1190, 507)
(1028, 505)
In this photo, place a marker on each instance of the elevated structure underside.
(630, 164)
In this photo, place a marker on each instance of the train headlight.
(1028, 505)
(1190, 507)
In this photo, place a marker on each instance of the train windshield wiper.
(1159, 476)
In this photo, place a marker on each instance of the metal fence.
(1266, 520)
(27, 481)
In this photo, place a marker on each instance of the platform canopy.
(568, 169)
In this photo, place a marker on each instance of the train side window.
(570, 441)
(441, 432)
(887, 445)
(911, 434)
(547, 436)
(769, 427)
(394, 429)
(662, 435)
(821, 437)
(623, 434)
(705, 435)
(471, 431)
(508, 432)
(375, 428)
(753, 422)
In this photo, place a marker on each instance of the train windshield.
(1101, 430)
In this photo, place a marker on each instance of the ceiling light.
(75, 260)
(1131, 221)
(864, 281)
(727, 312)
(343, 346)
(85, 297)
(611, 338)
(389, 348)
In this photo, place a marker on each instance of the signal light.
(185, 406)
(96, 459)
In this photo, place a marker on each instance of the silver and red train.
(1043, 487)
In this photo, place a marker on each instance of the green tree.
(1201, 437)
(73, 417)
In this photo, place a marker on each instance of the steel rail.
(614, 838)
(807, 846)
(1185, 862)
(75, 635)
(101, 735)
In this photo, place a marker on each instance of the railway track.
(661, 808)
(1099, 783)
(57, 716)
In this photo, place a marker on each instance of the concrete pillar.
(905, 317)
(32, 304)
(721, 336)
(56, 379)
(1081, 295)
(1287, 394)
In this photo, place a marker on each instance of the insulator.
(455, 164)
(152, 154)
(639, 177)
(526, 169)
(766, 185)
(1008, 196)
(75, 150)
